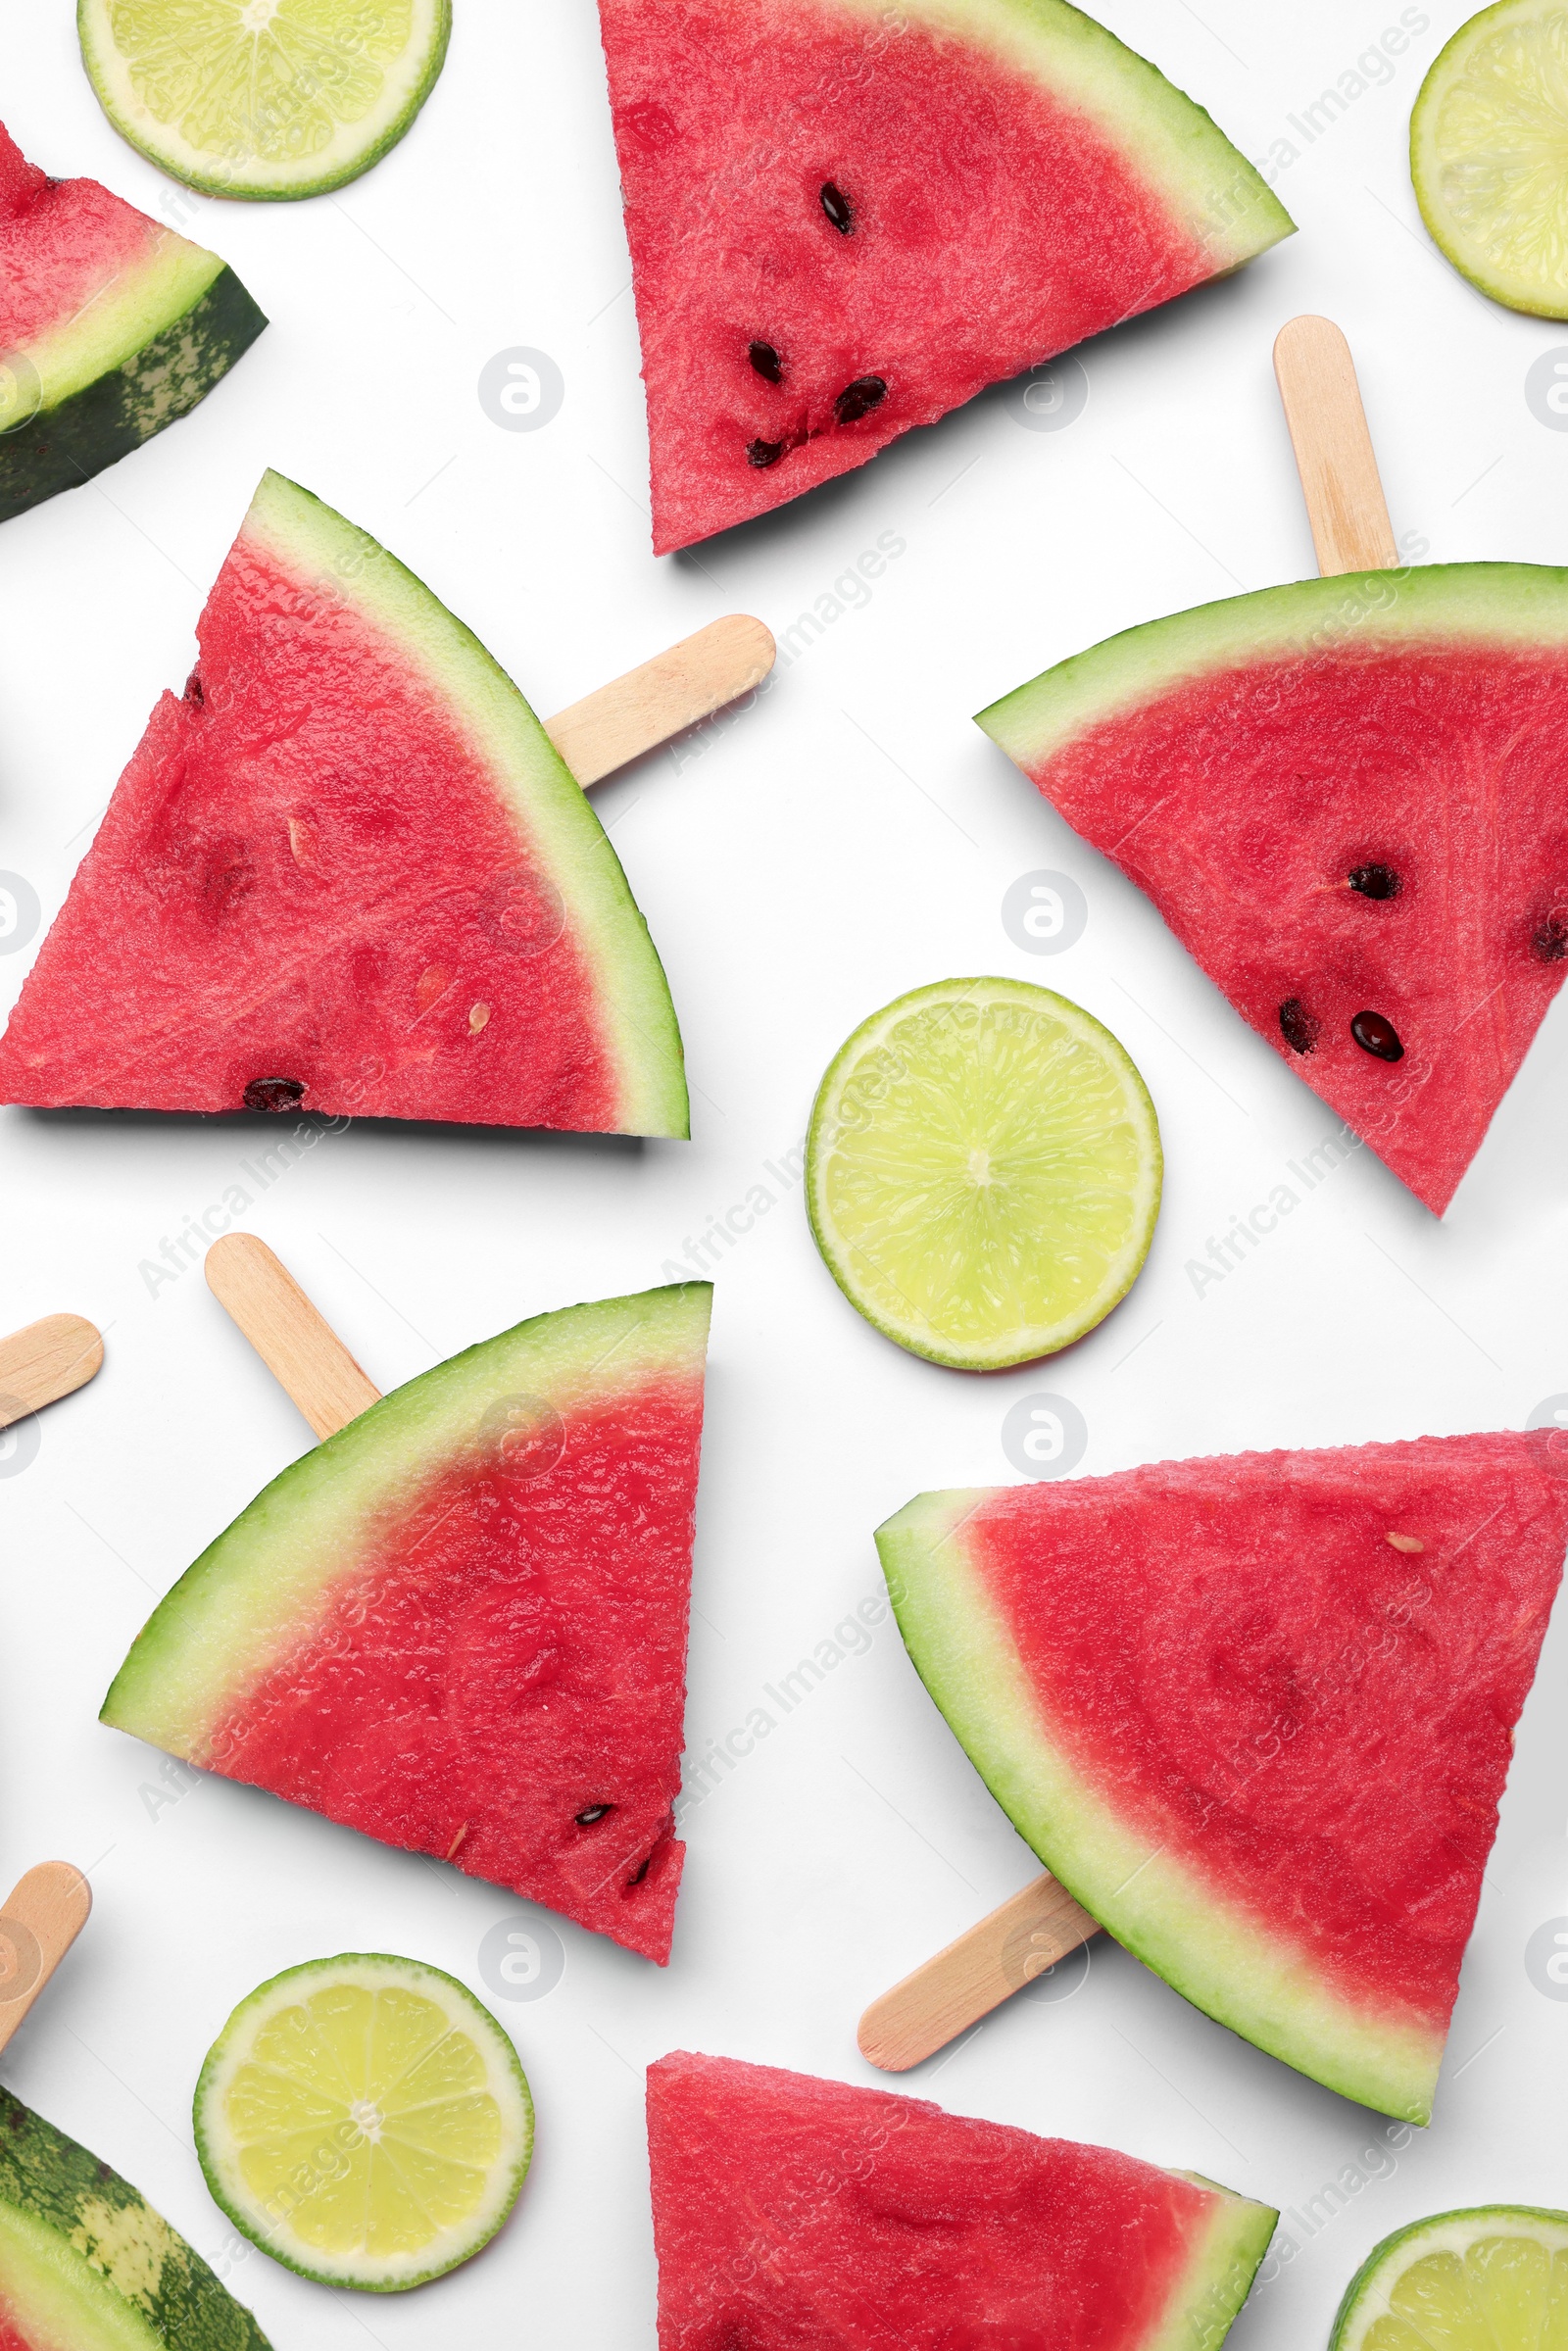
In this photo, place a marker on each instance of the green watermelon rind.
(82, 2249)
(139, 128)
(1216, 1956)
(106, 385)
(1219, 2278)
(253, 1593)
(1361, 2305)
(228, 2192)
(532, 783)
(1519, 605)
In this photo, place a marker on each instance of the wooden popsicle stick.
(44, 1362)
(1334, 454)
(302, 1351)
(1016, 1943)
(39, 1921)
(637, 712)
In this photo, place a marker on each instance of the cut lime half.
(1494, 2279)
(263, 97)
(1489, 154)
(365, 2121)
(983, 1172)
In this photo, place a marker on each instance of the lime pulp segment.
(365, 2121)
(1489, 154)
(264, 98)
(1494, 2279)
(983, 1172)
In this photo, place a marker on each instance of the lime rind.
(232, 2073)
(1489, 154)
(1461, 2244)
(983, 1172)
(267, 100)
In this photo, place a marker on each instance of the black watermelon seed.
(193, 689)
(1375, 1035)
(1550, 942)
(764, 452)
(638, 1876)
(1298, 1027)
(1375, 881)
(765, 360)
(858, 399)
(594, 1812)
(275, 1094)
(836, 205)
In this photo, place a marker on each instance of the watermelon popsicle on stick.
(1346, 795)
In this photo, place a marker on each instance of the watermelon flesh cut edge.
(348, 872)
(845, 220)
(795, 2212)
(459, 1625)
(1346, 796)
(1256, 1714)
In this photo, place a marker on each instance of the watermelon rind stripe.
(116, 378)
(86, 2261)
(256, 1593)
(1522, 606)
(1366, 2298)
(1216, 1955)
(634, 1015)
(1219, 2276)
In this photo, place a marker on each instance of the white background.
(849, 838)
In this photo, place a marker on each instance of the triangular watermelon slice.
(1348, 798)
(111, 327)
(459, 1625)
(794, 2212)
(846, 220)
(1256, 1714)
(347, 871)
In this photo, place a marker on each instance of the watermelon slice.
(1256, 1714)
(847, 219)
(459, 1625)
(1346, 797)
(347, 871)
(111, 327)
(876, 2223)
(86, 2264)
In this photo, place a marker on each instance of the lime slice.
(1494, 2279)
(263, 97)
(1489, 154)
(365, 2121)
(983, 1172)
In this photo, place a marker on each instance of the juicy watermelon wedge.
(111, 327)
(1256, 1714)
(1347, 799)
(459, 1625)
(876, 2222)
(845, 220)
(347, 871)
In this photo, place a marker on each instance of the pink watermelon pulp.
(844, 223)
(459, 1625)
(1256, 1714)
(794, 2211)
(348, 872)
(1347, 799)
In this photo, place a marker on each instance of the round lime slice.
(983, 1172)
(1489, 154)
(1496, 2276)
(365, 2121)
(263, 97)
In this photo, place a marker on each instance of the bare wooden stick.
(42, 1917)
(676, 689)
(44, 1362)
(1028, 1934)
(302, 1351)
(1334, 454)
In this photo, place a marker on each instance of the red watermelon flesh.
(62, 242)
(1348, 800)
(460, 1626)
(346, 871)
(843, 225)
(1256, 1713)
(799, 2213)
